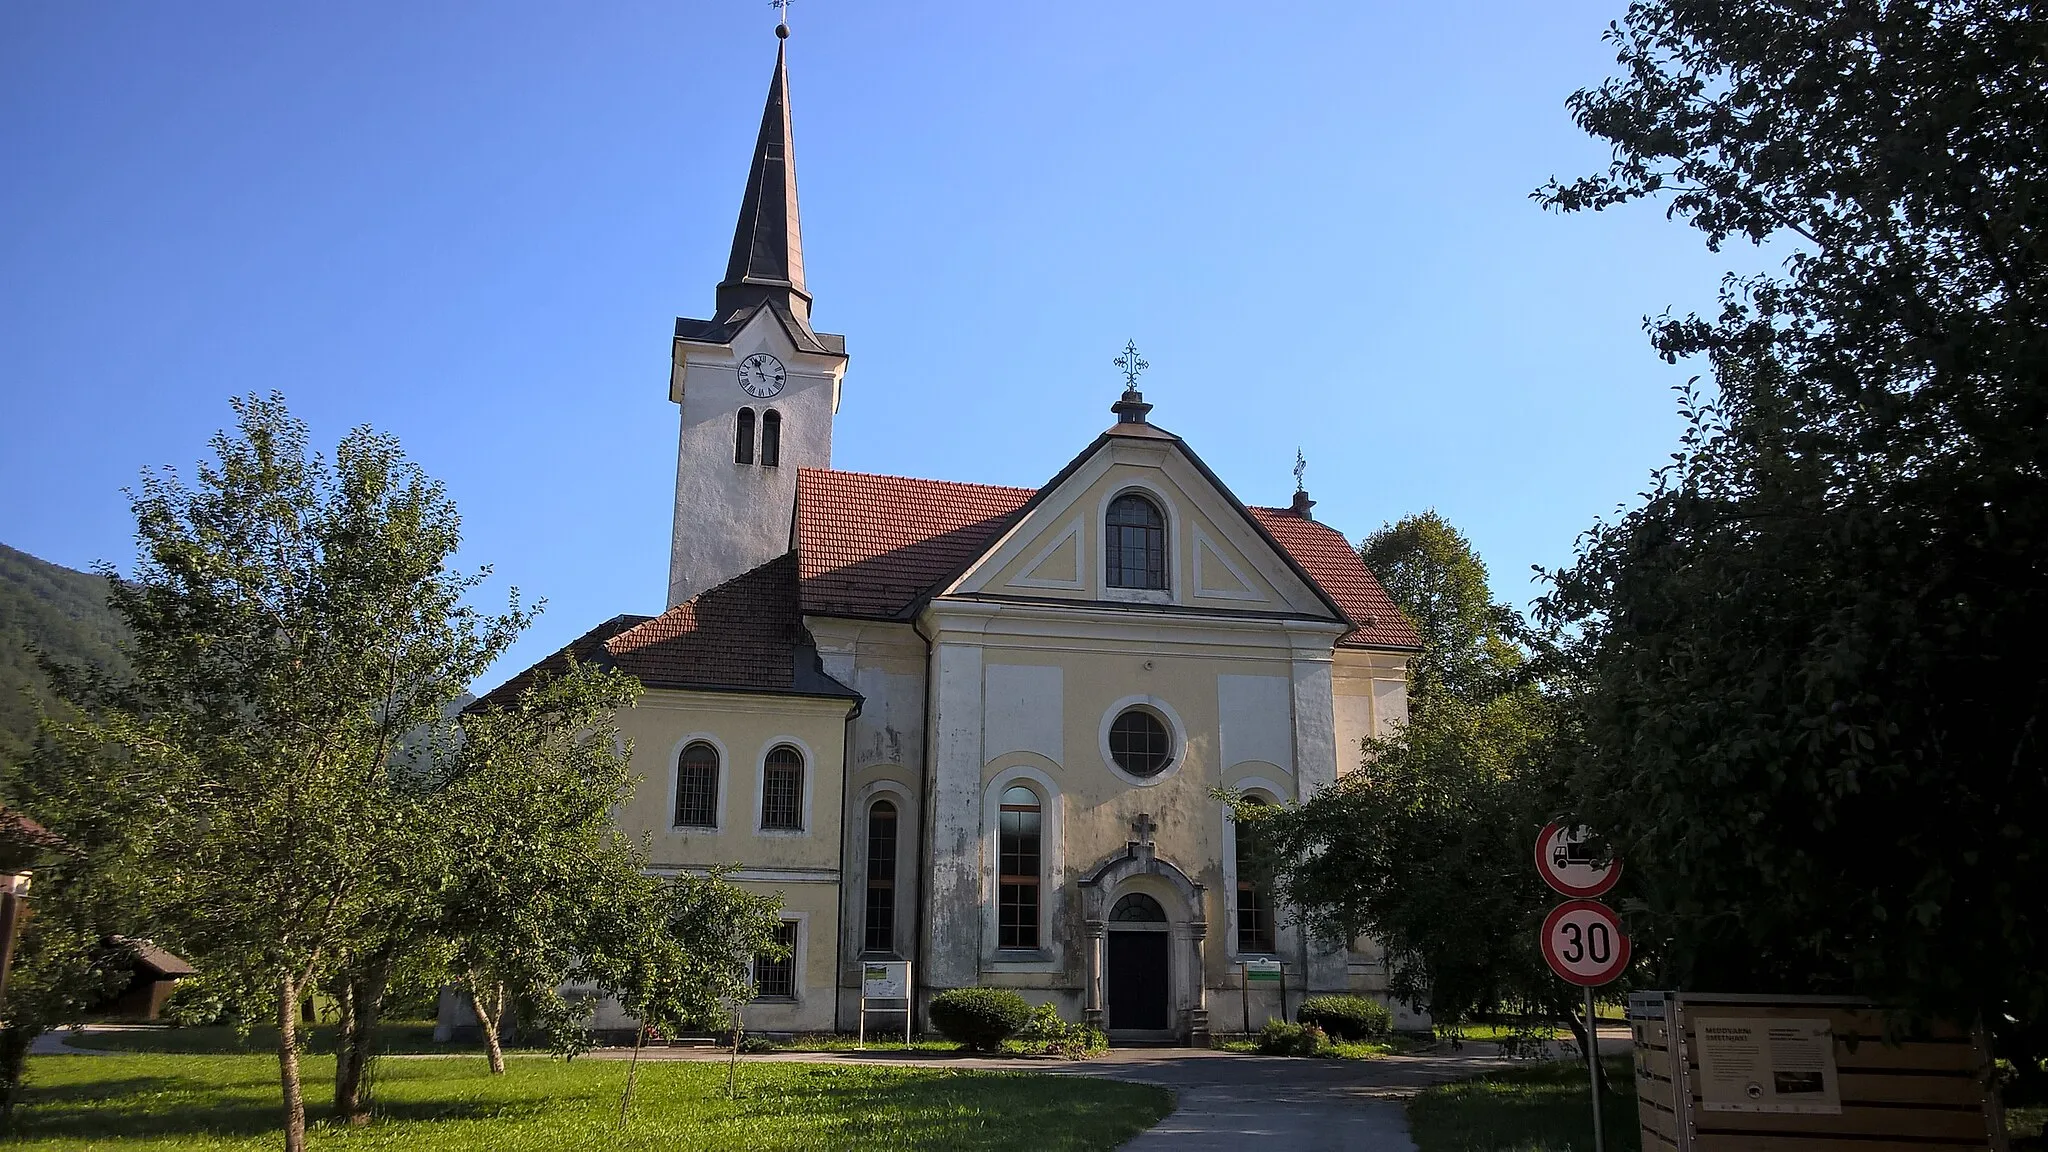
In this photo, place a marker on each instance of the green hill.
(58, 611)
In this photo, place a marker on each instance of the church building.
(974, 727)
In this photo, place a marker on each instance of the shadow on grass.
(1545, 1107)
(971, 1110)
(396, 1038)
(237, 1106)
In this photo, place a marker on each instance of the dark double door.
(1136, 975)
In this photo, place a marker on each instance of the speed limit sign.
(1584, 943)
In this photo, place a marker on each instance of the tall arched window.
(771, 438)
(1254, 908)
(697, 786)
(880, 932)
(1017, 868)
(1135, 543)
(782, 790)
(743, 437)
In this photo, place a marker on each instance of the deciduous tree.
(1813, 697)
(291, 620)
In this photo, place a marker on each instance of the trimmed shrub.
(1279, 1038)
(980, 1018)
(1347, 1017)
(1073, 1041)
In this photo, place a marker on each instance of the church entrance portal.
(1137, 969)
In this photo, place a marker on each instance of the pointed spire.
(767, 262)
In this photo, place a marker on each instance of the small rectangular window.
(775, 979)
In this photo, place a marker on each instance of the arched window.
(880, 932)
(1137, 908)
(771, 438)
(1254, 910)
(1140, 743)
(1135, 543)
(1017, 868)
(743, 437)
(697, 786)
(782, 790)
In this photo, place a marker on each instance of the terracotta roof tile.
(745, 635)
(872, 546)
(742, 634)
(587, 648)
(1335, 565)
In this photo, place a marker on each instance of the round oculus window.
(1140, 743)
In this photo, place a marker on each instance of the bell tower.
(758, 387)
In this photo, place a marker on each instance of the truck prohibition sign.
(1566, 861)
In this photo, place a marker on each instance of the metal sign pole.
(1244, 988)
(1593, 1069)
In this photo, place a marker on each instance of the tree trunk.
(364, 995)
(288, 1065)
(632, 1070)
(14, 1045)
(487, 1015)
(345, 1022)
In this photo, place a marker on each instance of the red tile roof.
(587, 649)
(745, 635)
(873, 546)
(742, 634)
(1334, 564)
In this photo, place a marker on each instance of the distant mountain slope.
(59, 610)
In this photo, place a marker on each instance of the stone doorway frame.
(1188, 993)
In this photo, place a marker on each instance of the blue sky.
(473, 225)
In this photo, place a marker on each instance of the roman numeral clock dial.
(762, 375)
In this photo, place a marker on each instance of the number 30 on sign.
(1584, 943)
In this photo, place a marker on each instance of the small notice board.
(1727, 1073)
(885, 989)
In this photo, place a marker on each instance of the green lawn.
(1541, 1108)
(128, 1103)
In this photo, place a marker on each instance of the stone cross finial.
(1142, 829)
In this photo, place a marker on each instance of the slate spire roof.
(767, 264)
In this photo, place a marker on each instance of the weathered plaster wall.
(744, 729)
(732, 517)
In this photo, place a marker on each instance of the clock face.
(762, 375)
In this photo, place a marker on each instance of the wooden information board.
(1721, 1073)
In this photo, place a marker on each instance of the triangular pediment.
(1216, 558)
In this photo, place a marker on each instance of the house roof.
(159, 960)
(1329, 558)
(745, 635)
(872, 546)
(875, 546)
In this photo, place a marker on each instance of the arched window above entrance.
(1137, 908)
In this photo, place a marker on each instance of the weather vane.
(781, 10)
(1300, 470)
(1132, 364)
